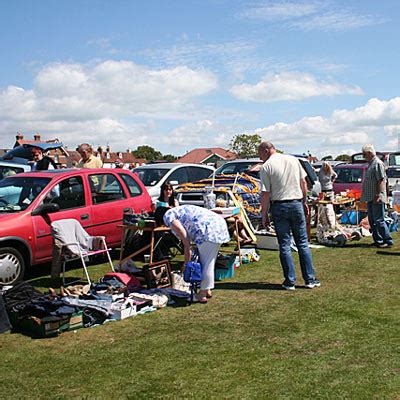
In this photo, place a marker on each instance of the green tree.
(343, 157)
(169, 157)
(245, 145)
(147, 152)
(327, 158)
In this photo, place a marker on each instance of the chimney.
(37, 137)
(108, 149)
(19, 136)
(100, 150)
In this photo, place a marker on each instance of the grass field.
(252, 340)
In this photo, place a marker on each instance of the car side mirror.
(46, 209)
(173, 183)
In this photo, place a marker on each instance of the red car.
(350, 176)
(30, 202)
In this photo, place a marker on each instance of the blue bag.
(192, 272)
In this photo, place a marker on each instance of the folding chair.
(77, 244)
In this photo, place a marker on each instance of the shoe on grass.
(383, 245)
(312, 284)
(288, 286)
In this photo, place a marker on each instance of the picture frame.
(158, 274)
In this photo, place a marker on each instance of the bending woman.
(205, 228)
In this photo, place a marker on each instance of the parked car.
(393, 175)
(30, 202)
(318, 164)
(248, 188)
(154, 175)
(349, 177)
(8, 168)
(239, 166)
(358, 158)
(251, 166)
(23, 154)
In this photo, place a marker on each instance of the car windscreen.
(394, 160)
(150, 176)
(6, 170)
(393, 173)
(349, 175)
(233, 168)
(16, 194)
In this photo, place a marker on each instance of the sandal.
(202, 300)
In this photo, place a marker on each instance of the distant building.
(110, 158)
(69, 158)
(60, 156)
(209, 155)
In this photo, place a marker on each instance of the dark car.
(23, 154)
(30, 202)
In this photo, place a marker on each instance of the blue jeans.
(376, 219)
(288, 217)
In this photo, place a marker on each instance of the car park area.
(30, 202)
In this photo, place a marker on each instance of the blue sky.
(307, 75)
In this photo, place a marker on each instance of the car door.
(180, 175)
(110, 199)
(69, 194)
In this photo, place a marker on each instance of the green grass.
(250, 341)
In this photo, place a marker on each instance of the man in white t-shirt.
(284, 193)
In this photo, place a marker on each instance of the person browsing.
(40, 161)
(88, 160)
(206, 229)
(284, 193)
(326, 177)
(374, 193)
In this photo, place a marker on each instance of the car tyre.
(12, 266)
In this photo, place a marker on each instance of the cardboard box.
(38, 327)
(129, 307)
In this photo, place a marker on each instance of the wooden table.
(153, 230)
(135, 228)
(349, 202)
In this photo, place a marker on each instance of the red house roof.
(200, 156)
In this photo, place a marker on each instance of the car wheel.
(12, 266)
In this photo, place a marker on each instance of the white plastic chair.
(77, 244)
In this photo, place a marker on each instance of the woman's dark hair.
(171, 200)
(159, 215)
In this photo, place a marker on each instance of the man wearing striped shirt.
(374, 193)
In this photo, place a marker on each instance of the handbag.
(192, 272)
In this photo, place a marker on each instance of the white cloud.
(189, 134)
(307, 16)
(290, 86)
(347, 138)
(338, 21)
(106, 100)
(375, 122)
(279, 11)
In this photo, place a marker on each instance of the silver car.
(154, 175)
